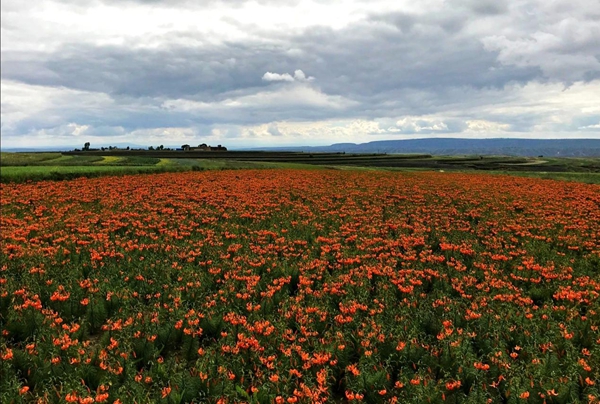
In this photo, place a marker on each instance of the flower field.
(293, 286)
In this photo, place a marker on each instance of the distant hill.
(452, 146)
(434, 146)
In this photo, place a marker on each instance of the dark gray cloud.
(481, 7)
(176, 72)
(368, 62)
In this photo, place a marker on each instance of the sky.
(293, 72)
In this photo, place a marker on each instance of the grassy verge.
(38, 173)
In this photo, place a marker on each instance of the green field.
(34, 173)
(59, 159)
(21, 167)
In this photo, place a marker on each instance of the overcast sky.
(293, 72)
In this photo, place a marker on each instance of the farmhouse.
(203, 147)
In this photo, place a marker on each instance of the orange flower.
(353, 369)
(71, 398)
(453, 384)
(102, 397)
(8, 355)
(342, 250)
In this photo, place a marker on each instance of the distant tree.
(86, 146)
(151, 148)
(103, 148)
(161, 147)
(127, 148)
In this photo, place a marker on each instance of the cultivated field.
(21, 167)
(300, 286)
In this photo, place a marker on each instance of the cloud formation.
(268, 76)
(297, 71)
(298, 76)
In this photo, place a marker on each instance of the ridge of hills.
(461, 146)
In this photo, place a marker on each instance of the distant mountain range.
(434, 146)
(452, 146)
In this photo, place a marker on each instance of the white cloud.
(168, 135)
(46, 24)
(45, 106)
(297, 95)
(268, 76)
(298, 76)
(273, 130)
(543, 50)
(308, 133)
(590, 127)
(421, 124)
(560, 38)
(481, 125)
